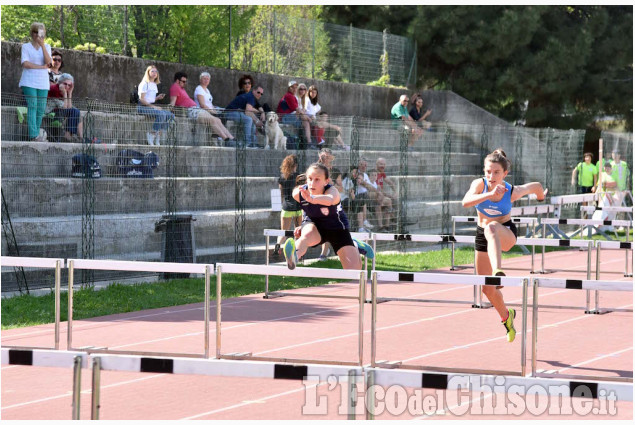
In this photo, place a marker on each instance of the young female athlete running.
(323, 221)
(493, 196)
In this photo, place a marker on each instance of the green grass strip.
(29, 310)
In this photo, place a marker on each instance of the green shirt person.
(621, 173)
(401, 119)
(587, 174)
(399, 110)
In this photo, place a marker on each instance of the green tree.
(568, 63)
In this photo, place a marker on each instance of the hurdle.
(583, 223)
(516, 220)
(46, 263)
(138, 266)
(626, 246)
(559, 201)
(445, 279)
(589, 285)
(289, 234)
(259, 270)
(50, 358)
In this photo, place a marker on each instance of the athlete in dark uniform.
(493, 198)
(323, 221)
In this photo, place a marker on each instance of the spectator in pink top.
(180, 98)
(291, 112)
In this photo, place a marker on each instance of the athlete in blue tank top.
(493, 197)
(324, 221)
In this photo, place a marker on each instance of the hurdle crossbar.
(608, 208)
(574, 199)
(490, 383)
(533, 210)
(438, 278)
(595, 285)
(585, 222)
(289, 234)
(359, 275)
(45, 263)
(143, 266)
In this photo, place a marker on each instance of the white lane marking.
(595, 359)
(247, 403)
(69, 394)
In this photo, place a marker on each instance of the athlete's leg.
(499, 238)
(494, 295)
(309, 237)
(349, 257)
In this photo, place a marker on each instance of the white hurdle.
(138, 266)
(447, 279)
(289, 234)
(45, 263)
(227, 268)
(589, 285)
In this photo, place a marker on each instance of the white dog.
(274, 132)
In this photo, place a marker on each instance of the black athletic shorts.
(480, 243)
(584, 189)
(337, 238)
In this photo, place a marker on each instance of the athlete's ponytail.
(499, 157)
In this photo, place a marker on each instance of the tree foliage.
(569, 63)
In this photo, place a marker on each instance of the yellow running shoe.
(498, 272)
(509, 325)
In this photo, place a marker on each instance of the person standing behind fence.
(493, 197)
(34, 82)
(587, 174)
(291, 214)
(62, 94)
(621, 175)
(148, 95)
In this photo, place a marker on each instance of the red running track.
(433, 334)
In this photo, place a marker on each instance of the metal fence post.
(447, 150)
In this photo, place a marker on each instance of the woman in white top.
(311, 104)
(36, 60)
(203, 99)
(148, 94)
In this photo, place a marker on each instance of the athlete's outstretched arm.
(526, 189)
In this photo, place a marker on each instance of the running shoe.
(322, 258)
(499, 272)
(364, 248)
(509, 325)
(290, 253)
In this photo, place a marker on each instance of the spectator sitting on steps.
(237, 109)
(399, 115)
(203, 99)
(245, 84)
(148, 94)
(61, 93)
(180, 98)
(290, 112)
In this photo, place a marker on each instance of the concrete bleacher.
(45, 202)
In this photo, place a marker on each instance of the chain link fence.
(255, 39)
(195, 198)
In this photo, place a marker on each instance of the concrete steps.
(43, 159)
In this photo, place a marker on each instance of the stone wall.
(112, 78)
